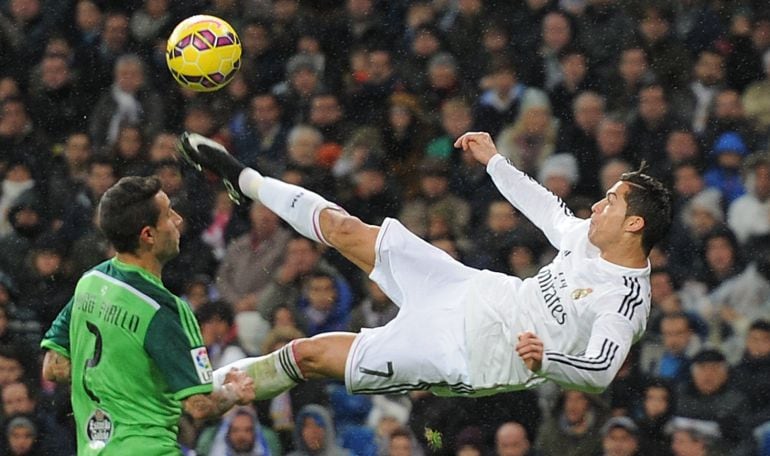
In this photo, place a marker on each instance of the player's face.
(166, 230)
(608, 216)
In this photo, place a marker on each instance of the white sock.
(273, 373)
(298, 206)
(249, 181)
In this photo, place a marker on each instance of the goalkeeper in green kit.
(132, 350)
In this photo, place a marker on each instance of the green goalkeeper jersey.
(136, 351)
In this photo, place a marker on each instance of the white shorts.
(424, 346)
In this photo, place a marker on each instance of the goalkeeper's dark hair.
(649, 199)
(126, 208)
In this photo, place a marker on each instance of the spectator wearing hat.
(693, 437)
(728, 150)
(700, 216)
(444, 82)
(303, 80)
(314, 433)
(21, 398)
(532, 138)
(749, 214)
(710, 396)
(559, 174)
(620, 437)
(21, 436)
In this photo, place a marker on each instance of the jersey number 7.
(94, 360)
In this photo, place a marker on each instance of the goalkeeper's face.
(166, 230)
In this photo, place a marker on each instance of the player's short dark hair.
(649, 199)
(126, 208)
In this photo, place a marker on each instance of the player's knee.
(307, 354)
(344, 229)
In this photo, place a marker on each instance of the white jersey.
(587, 311)
(457, 328)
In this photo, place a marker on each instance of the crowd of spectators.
(360, 101)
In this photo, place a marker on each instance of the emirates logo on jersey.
(581, 293)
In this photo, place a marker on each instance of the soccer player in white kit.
(459, 330)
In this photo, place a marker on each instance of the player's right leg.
(307, 212)
(320, 356)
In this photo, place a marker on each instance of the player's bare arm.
(237, 389)
(56, 367)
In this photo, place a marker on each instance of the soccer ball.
(203, 53)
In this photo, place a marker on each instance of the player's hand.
(479, 143)
(242, 384)
(530, 348)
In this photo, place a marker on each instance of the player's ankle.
(249, 181)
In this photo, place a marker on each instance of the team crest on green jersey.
(99, 429)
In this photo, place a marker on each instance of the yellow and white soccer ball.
(203, 53)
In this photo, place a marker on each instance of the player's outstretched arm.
(543, 208)
(56, 367)
(238, 388)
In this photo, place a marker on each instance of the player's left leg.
(320, 356)
(307, 212)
